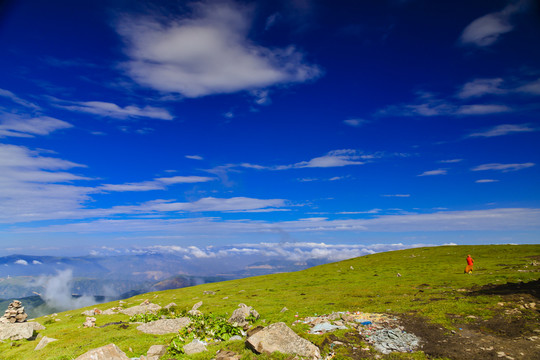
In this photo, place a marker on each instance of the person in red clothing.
(470, 262)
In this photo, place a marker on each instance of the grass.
(432, 285)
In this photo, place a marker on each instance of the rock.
(16, 331)
(156, 352)
(194, 310)
(194, 347)
(239, 315)
(141, 309)
(209, 292)
(37, 326)
(227, 355)
(284, 309)
(43, 342)
(168, 306)
(107, 352)
(279, 337)
(90, 322)
(236, 338)
(88, 313)
(15, 312)
(164, 326)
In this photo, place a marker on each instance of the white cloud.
(482, 181)
(8, 94)
(503, 167)
(335, 158)
(36, 262)
(354, 122)
(21, 262)
(397, 195)
(434, 172)
(482, 109)
(504, 129)
(532, 88)
(450, 161)
(207, 53)
(481, 87)
(107, 109)
(194, 157)
(486, 30)
(501, 219)
(156, 184)
(20, 126)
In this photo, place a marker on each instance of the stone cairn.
(15, 312)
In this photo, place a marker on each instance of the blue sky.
(336, 127)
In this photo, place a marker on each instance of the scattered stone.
(141, 309)
(194, 347)
(168, 306)
(239, 315)
(112, 311)
(88, 313)
(284, 309)
(90, 322)
(107, 352)
(156, 352)
(227, 355)
(225, 298)
(164, 326)
(389, 340)
(209, 292)
(15, 312)
(279, 337)
(195, 309)
(16, 331)
(325, 327)
(43, 342)
(398, 275)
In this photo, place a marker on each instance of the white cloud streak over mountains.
(207, 53)
(503, 167)
(504, 129)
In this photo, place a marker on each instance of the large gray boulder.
(194, 347)
(164, 326)
(279, 337)
(107, 352)
(141, 309)
(16, 331)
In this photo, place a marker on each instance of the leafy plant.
(145, 318)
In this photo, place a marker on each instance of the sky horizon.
(332, 127)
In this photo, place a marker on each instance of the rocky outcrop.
(279, 337)
(164, 326)
(145, 307)
(107, 352)
(16, 331)
(43, 342)
(90, 322)
(15, 312)
(195, 309)
(156, 352)
(240, 315)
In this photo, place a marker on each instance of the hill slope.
(432, 297)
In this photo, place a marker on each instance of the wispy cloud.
(503, 167)
(208, 52)
(504, 129)
(397, 195)
(487, 30)
(194, 157)
(156, 184)
(12, 125)
(434, 172)
(482, 109)
(450, 161)
(481, 87)
(112, 110)
(8, 94)
(483, 181)
(354, 122)
(532, 88)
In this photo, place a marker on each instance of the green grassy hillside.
(432, 285)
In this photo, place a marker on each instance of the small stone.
(44, 341)
(284, 309)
